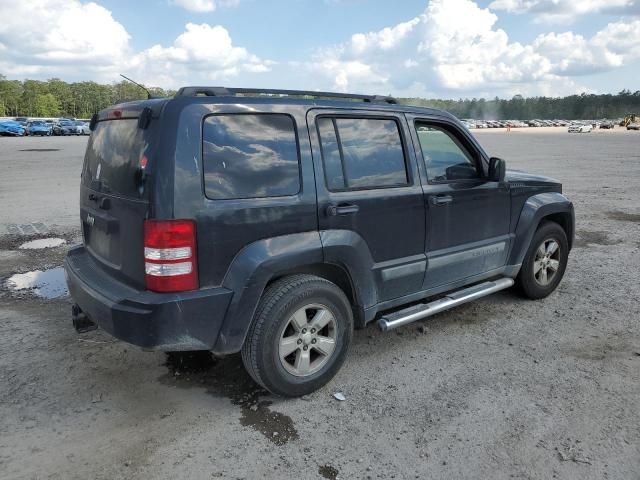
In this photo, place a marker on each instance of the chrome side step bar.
(424, 310)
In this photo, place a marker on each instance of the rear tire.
(299, 336)
(545, 262)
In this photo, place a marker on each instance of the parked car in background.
(23, 124)
(11, 128)
(633, 126)
(580, 128)
(607, 125)
(82, 128)
(38, 127)
(64, 127)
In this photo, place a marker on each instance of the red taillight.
(170, 261)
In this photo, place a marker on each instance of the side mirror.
(497, 169)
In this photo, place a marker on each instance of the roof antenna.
(149, 96)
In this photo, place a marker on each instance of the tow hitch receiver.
(81, 322)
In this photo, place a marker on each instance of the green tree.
(10, 96)
(46, 105)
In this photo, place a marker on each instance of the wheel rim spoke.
(541, 251)
(303, 361)
(543, 276)
(554, 265)
(536, 267)
(288, 345)
(299, 319)
(551, 248)
(321, 319)
(325, 345)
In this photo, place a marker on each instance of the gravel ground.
(500, 388)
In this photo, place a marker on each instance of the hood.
(529, 179)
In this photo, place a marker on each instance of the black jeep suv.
(273, 222)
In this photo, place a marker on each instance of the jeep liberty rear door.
(114, 197)
(369, 194)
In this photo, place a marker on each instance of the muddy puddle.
(42, 283)
(227, 377)
(624, 216)
(42, 243)
(585, 238)
(327, 471)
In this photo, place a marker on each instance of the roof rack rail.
(232, 92)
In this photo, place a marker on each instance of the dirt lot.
(500, 388)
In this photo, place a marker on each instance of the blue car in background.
(11, 128)
(38, 127)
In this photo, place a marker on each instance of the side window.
(362, 153)
(445, 157)
(331, 157)
(250, 156)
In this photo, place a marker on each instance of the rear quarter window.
(250, 156)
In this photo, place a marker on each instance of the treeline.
(574, 107)
(55, 98)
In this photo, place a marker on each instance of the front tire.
(545, 262)
(300, 335)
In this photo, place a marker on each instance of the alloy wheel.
(547, 262)
(308, 340)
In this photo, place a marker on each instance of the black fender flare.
(536, 208)
(350, 251)
(258, 263)
(250, 272)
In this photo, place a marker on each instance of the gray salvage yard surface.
(500, 388)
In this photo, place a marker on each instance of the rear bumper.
(159, 321)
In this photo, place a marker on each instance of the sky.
(432, 49)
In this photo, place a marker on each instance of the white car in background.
(580, 128)
(82, 128)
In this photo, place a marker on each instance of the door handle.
(441, 199)
(343, 209)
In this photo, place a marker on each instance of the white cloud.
(202, 51)
(566, 11)
(85, 38)
(454, 47)
(204, 5)
(64, 33)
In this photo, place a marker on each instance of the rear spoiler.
(144, 111)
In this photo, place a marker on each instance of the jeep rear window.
(362, 153)
(112, 161)
(250, 156)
